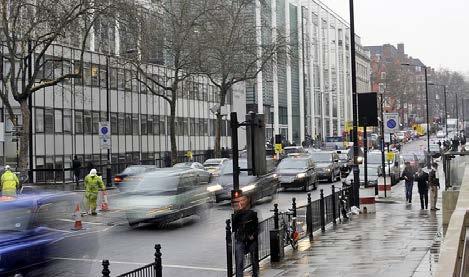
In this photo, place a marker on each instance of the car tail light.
(117, 179)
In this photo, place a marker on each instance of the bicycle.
(290, 232)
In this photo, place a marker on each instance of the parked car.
(194, 165)
(373, 174)
(327, 165)
(293, 150)
(129, 173)
(297, 172)
(253, 186)
(400, 136)
(344, 163)
(214, 166)
(332, 143)
(441, 134)
(164, 195)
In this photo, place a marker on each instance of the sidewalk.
(399, 240)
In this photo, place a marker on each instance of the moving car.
(253, 186)
(214, 166)
(293, 150)
(332, 143)
(297, 172)
(164, 195)
(440, 134)
(373, 174)
(129, 173)
(344, 163)
(194, 165)
(327, 165)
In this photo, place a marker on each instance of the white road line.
(142, 264)
(83, 222)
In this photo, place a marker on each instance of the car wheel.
(331, 179)
(133, 225)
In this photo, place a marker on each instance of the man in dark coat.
(408, 177)
(76, 167)
(246, 229)
(167, 160)
(421, 178)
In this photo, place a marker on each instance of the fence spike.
(158, 264)
(106, 272)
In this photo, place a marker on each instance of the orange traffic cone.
(104, 203)
(77, 218)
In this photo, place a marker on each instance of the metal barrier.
(154, 269)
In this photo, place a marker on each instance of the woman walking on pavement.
(422, 181)
(408, 177)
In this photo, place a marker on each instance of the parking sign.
(391, 122)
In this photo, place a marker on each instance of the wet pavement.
(399, 240)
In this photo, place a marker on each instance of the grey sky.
(432, 30)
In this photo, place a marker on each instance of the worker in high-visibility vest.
(93, 183)
(9, 182)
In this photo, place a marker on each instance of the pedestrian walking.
(167, 160)
(9, 182)
(434, 183)
(421, 177)
(76, 167)
(93, 183)
(408, 177)
(245, 228)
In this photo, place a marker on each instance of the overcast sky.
(433, 30)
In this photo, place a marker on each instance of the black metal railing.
(311, 217)
(154, 269)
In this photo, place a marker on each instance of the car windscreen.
(134, 170)
(15, 219)
(408, 158)
(322, 157)
(182, 165)
(158, 184)
(293, 164)
(343, 157)
(372, 171)
(334, 139)
(228, 167)
(374, 159)
(293, 150)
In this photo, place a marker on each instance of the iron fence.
(154, 269)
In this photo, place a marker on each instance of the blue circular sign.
(391, 123)
(104, 130)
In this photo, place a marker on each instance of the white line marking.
(142, 264)
(84, 222)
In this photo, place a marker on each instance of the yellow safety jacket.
(93, 184)
(9, 183)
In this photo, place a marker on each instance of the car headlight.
(301, 175)
(214, 188)
(248, 188)
(328, 170)
(275, 175)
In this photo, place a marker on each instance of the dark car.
(297, 172)
(129, 173)
(253, 186)
(344, 163)
(32, 231)
(327, 165)
(164, 195)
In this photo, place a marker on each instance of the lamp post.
(427, 108)
(446, 113)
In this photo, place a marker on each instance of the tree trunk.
(217, 146)
(172, 132)
(24, 140)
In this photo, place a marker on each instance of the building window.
(78, 122)
(383, 75)
(67, 121)
(150, 124)
(96, 119)
(128, 124)
(58, 121)
(192, 126)
(121, 123)
(156, 124)
(49, 121)
(39, 122)
(87, 122)
(163, 125)
(143, 124)
(114, 124)
(135, 124)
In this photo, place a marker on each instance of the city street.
(191, 247)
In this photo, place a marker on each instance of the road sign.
(105, 134)
(391, 122)
(387, 138)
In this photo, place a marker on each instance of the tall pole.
(446, 112)
(108, 115)
(356, 173)
(457, 114)
(30, 108)
(428, 118)
(383, 160)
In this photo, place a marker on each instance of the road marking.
(142, 264)
(84, 222)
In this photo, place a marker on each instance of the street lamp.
(446, 113)
(427, 106)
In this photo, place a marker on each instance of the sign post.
(391, 122)
(105, 135)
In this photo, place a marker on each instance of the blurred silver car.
(165, 195)
(214, 166)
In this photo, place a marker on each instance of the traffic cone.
(77, 217)
(104, 203)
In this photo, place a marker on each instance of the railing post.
(322, 212)
(334, 207)
(276, 244)
(293, 206)
(276, 219)
(158, 264)
(229, 249)
(106, 272)
(309, 218)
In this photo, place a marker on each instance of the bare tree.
(28, 30)
(232, 50)
(165, 35)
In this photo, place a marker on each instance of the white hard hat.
(93, 172)
(7, 167)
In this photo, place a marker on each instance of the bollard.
(334, 206)
(276, 223)
(322, 212)
(229, 249)
(293, 206)
(158, 264)
(309, 218)
(106, 272)
(276, 243)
